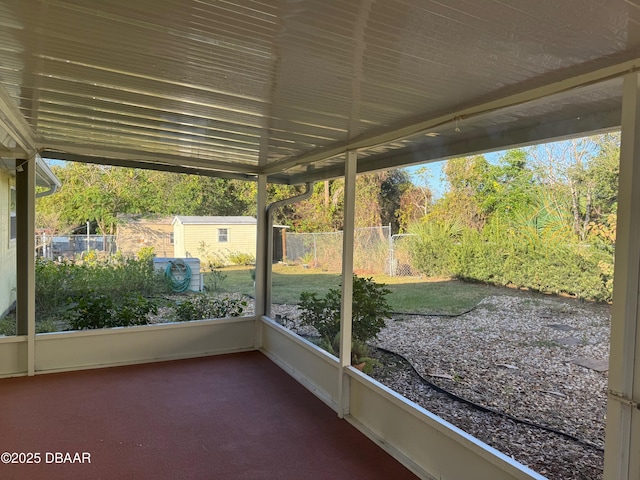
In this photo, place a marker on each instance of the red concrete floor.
(226, 417)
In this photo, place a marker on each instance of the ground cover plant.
(201, 306)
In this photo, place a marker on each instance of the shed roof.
(284, 88)
(138, 218)
(230, 220)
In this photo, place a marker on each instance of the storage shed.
(217, 237)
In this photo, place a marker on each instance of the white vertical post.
(346, 306)
(622, 451)
(263, 264)
(25, 253)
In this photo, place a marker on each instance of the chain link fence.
(324, 250)
(375, 251)
(400, 256)
(69, 246)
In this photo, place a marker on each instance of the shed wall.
(202, 240)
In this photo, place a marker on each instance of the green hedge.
(544, 265)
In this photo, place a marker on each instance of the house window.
(12, 213)
(223, 235)
(171, 240)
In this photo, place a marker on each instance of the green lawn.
(410, 295)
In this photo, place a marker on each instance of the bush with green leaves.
(432, 247)
(93, 310)
(360, 352)
(213, 280)
(203, 306)
(116, 277)
(369, 311)
(211, 259)
(519, 256)
(8, 326)
(242, 258)
(97, 293)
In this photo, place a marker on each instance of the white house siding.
(7, 249)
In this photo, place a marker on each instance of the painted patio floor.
(225, 417)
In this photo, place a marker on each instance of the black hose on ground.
(448, 315)
(482, 408)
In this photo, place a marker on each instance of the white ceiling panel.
(284, 87)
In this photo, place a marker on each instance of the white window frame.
(223, 237)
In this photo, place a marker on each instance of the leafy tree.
(583, 172)
(99, 193)
(463, 202)
(378, 197)
(509, 186)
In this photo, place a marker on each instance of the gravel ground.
(517, 355)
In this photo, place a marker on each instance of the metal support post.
(346, 306)
(622, 452)
(25, 253)
(263, 264)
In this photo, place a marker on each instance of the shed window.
(12, 213)
(171, 238)
(223, 235)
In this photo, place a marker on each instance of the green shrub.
(211, 259)
(478, 259)
(241, 258)
(432, 248)
(8, 326)
(93, 310)
(213, 280)
(506, 257)
(370, 309)
(360, 352)
(115, 277)
(46, 326)
(204, 306)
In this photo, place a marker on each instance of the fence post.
(392, 260)
(315, 249)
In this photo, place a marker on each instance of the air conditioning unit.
(183, 273)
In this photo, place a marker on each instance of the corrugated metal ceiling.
(284, 87)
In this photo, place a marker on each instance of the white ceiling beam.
(433, 149)
(16, 126)
(85, 154)
(150, 165)
(424, 125)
